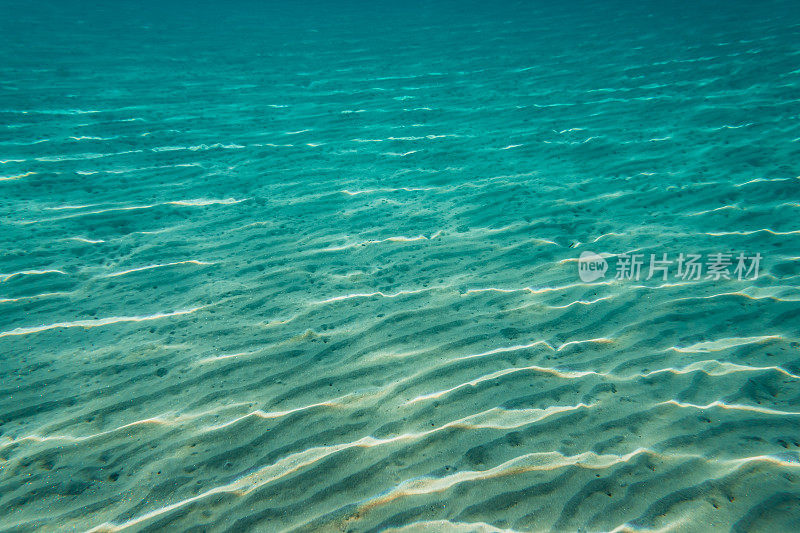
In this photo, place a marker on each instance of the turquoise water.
(269, 267)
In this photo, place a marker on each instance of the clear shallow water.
(272, 268)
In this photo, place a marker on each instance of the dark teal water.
(314, 267)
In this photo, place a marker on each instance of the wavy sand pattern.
(284, 269)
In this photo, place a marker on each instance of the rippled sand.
(283, 269)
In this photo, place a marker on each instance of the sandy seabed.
(276, 276)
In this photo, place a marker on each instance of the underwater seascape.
(399, 266)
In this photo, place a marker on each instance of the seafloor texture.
(315, 268)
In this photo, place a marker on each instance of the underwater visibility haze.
(399, 266)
